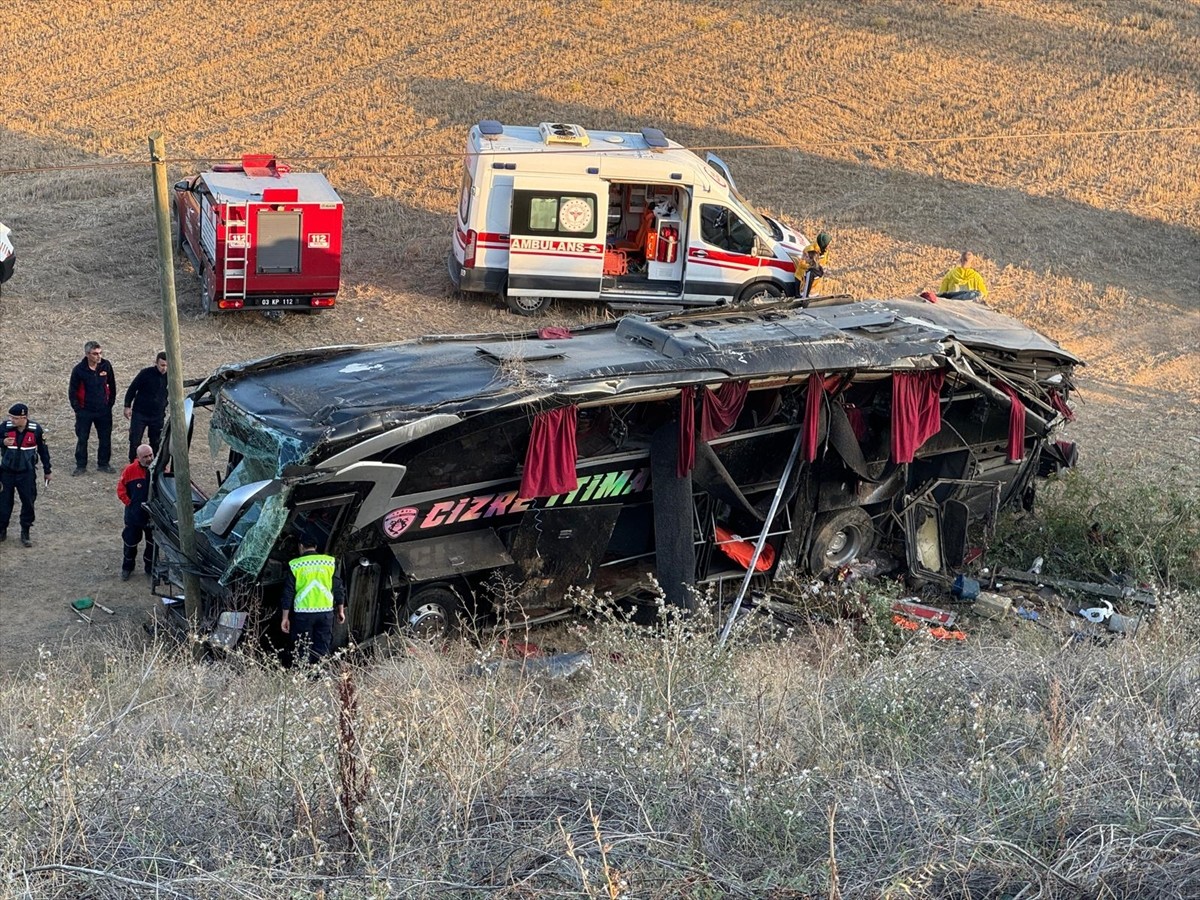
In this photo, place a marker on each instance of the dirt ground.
(1092, 240)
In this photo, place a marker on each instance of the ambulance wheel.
(839, 538)
(527, 306)
(431, 613)
(760, 292)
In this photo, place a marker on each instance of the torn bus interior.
(461, 475)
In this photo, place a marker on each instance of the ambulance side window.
(722, 228)
(464, 200)
(554, 214)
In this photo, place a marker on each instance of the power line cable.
(424, 155)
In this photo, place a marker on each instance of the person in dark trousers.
(93, 393)
(22, 443)
(312, 591)
(133, 488)
(146, 404)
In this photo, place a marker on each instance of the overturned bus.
(464, 475)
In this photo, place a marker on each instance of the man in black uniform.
(93, 393)
(146, 404)
(22, 442)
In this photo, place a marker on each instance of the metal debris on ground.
(924, 613)
(558, 665)
(1141, 595)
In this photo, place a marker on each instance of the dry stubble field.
(1091, 238)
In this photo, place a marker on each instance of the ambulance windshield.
(749, 212)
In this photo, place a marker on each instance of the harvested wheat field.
(1056, 140)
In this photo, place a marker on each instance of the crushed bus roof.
(334, 393)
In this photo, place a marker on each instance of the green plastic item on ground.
(83, 603)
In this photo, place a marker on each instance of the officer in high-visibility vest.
(312, 595)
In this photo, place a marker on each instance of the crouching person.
(312, 595)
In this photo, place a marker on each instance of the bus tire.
(839, 538)
(431, 613)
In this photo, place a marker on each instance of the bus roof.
(337, 395)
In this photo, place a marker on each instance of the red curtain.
(550, 459)
(1016, 425)
(1057, 401)
(916, 412)
(812, 416)
(687, 431)
(553, 332)
(720, 409)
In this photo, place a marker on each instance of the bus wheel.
(431, 613)
(839, 538)
(759, 293)
(527, 306)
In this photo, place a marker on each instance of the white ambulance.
(630, 219)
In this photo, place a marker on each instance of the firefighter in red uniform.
(21, 443)
(133, 487)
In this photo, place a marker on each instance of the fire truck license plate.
(274, 301)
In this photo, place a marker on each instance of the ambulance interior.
(645, 233)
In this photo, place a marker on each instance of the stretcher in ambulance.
(630, 219)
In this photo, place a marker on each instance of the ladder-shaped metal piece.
(237, 252)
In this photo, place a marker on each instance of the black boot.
(25, 539)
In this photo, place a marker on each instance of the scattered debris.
(1097, 613)
(964, 588)
(558, 665)
(991, 605)
(923, 612)
(1143, 596)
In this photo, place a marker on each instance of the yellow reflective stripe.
(314, 580)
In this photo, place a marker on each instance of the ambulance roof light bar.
(655, 138)
(490, 129)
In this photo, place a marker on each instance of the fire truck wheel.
(431, 613)
(527, 306)
(205, 294)
(759, 292)
(839, 538)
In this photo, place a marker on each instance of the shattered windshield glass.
(250, 452)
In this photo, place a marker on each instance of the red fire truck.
(261, 236)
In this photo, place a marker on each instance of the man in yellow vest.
(811, 266)
(312, 591)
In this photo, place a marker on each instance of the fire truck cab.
(631, 219)
(261, 236)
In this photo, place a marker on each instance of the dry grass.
(666, 769)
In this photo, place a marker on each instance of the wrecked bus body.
(470, 474)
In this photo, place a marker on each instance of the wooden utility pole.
(192, 604)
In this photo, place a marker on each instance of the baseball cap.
(18, 409)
